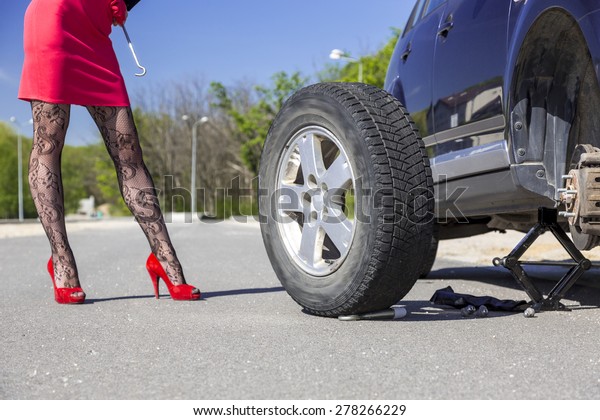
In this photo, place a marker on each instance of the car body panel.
(412, 69)
(464, 94)
(466, 122)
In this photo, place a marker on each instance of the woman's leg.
(120, 136)
(50, 122)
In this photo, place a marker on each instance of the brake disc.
(581, 197)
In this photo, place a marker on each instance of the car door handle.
(445, 29)
(406, 52)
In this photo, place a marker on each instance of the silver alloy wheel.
(314, 183)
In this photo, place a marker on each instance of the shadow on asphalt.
(209, 295)
(586, 291)
(205, 295)
(422, 311)
(544, 276)
(98, 300)
(419, 311)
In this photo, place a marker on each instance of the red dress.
(69, 58)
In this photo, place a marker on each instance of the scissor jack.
(547, 221)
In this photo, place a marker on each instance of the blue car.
(488, 114)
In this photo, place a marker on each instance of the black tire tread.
(400, 162)
(429, 260)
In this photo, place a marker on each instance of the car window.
(414, 16)
(432, 5)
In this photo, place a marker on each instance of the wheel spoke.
(314, 179)
(339, 231)
(311, 156)
(311, 245)
(338, 175)
(291, 198)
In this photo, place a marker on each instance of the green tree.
(252, 116)
(374, 66)
(166, 154)
(86, 170)
(78, 180)
(105, 186)
(9, 202)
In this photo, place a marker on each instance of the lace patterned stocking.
(50, 122)
(121, 139)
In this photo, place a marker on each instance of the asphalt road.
(248, 340)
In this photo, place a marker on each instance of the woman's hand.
(119, 12)
(115, 23)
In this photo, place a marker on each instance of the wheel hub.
(581, 197)
(315, 178)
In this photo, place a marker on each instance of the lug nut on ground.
(468, 311)
(482, 312)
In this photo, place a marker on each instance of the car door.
(409, 76)
(470, 58)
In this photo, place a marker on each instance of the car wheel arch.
(550, 63)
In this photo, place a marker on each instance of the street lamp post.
(341, 55)
(194, 145)
(19, 166)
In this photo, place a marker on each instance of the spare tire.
(346, 199)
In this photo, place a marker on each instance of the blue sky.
(215, 40)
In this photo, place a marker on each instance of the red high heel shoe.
(64, 295)
(177, 292)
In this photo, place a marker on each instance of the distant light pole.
(194, 143)
(341, 55)
(19, 166)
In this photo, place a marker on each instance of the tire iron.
(386, 314)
